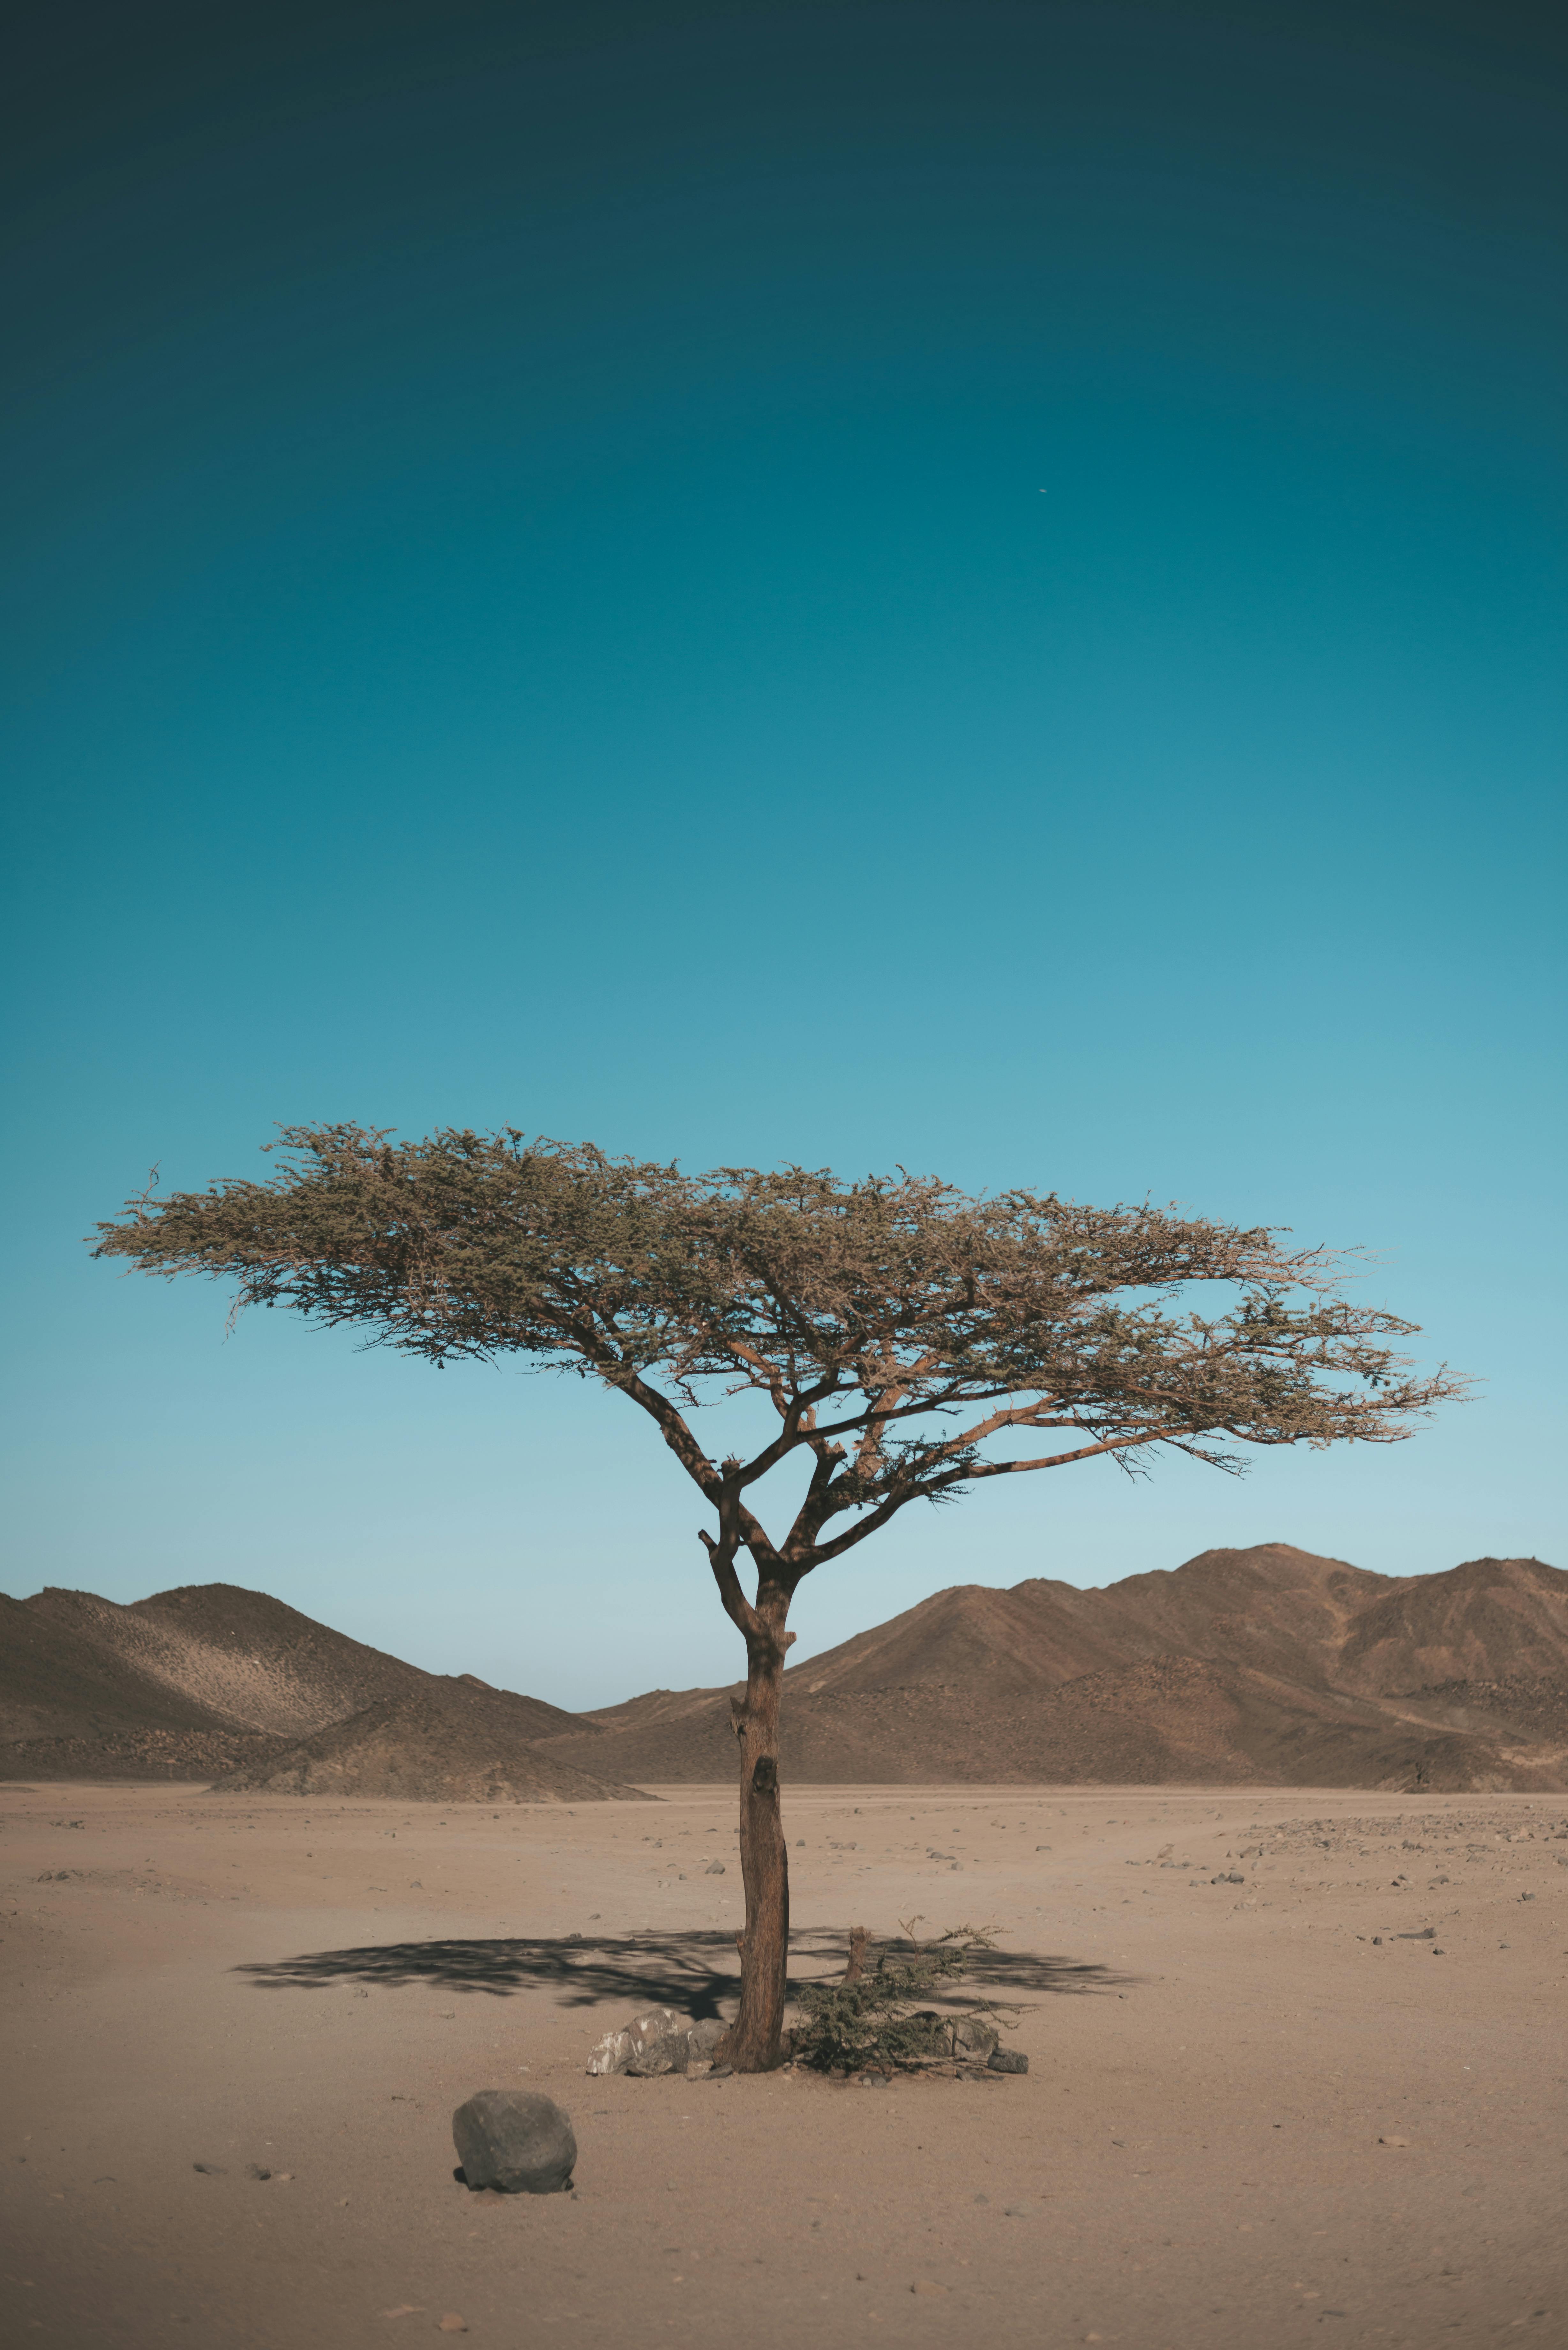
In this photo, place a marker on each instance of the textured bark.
(753, 2040)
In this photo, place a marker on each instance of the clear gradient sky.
(965, 586)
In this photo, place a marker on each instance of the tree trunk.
(753, 2040)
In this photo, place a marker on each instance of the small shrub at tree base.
(884, 2019)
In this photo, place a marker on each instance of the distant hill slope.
(1268, 1664)
(249, 1660)
(451, 1742)
(187, 1684)
(59, 1691)
(1491, 1620)
(1272, 1609)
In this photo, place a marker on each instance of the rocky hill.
(213, 1680)
(70, 1708)
(1491, 1620)
(1267, 1665)
(454, 1742)
(245, 1660)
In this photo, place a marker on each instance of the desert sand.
(1323, 2102)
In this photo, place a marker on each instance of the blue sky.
(972, 588)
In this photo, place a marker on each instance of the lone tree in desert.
(910, 1341)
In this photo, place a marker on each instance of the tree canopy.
(906, 1334)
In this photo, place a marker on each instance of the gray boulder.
(1008, 2060)
(617, 2052)
(703, 2039)
(668, 2055)
(515, 2140)
(974, 2037)
(686, 2047)
(657, 2042)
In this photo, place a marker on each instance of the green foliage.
(883, 2020)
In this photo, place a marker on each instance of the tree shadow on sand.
(692, 1972)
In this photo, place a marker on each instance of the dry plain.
(1322, 2104)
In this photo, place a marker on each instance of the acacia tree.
(909, 1340)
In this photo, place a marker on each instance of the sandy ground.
(1247, 2121)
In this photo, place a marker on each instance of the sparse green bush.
(883, 2020)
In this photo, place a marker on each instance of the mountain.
(1267, 1664)
(246, 1659)
(454, 1742)
(71, 1709)
(1491, 1620)
(212, 1679)
(1272, 1609)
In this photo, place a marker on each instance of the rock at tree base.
(515, 2140)
(1007, 2060)
(643, 2036)
(973, 2038)
(656, 2041)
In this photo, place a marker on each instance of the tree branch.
(924, 1489)
(735, 1604)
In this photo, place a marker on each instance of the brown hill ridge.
(213, 1681)
(247, 1661)
(1268, 1665)
(452, 1742)
(69, 1708)
(1490, 1620)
